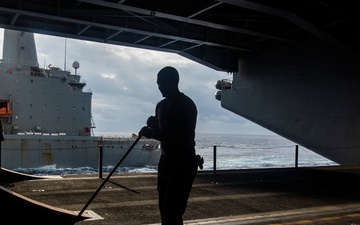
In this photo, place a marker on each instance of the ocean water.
(222, 152)
(234, 151)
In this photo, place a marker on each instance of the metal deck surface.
(312, 195)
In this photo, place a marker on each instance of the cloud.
(123, 83)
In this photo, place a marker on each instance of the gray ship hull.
(34, 150)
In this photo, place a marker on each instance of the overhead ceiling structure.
(214, 33)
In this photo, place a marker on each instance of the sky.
(123, 82)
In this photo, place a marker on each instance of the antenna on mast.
(76, 66)
(65, 57)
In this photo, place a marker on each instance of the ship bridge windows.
(5, 108)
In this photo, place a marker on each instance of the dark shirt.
(176, 122)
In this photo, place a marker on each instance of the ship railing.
(18, 63)
(39, 133)
(11, 71)
(117, 138)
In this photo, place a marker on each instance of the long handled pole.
(108, 176)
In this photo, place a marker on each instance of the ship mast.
(65, 57)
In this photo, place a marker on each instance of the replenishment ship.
(46, 116)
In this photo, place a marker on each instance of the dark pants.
(175, 179)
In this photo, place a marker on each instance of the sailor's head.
(168, 80)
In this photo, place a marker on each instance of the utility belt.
(178, 152)
(178, 155)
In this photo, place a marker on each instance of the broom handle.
(108, 176)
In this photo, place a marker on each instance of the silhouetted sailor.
(174, 126)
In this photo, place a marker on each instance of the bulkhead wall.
(308, 93)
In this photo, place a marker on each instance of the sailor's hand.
(152, 122)
(146, 132)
